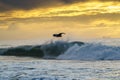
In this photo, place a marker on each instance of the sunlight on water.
(34, 69)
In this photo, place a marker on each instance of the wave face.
(50, 50)
(54, 49)
(91, 52)
(66, 50)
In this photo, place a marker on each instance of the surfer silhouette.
(58, 35)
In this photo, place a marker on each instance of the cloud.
(24, 4)
(76, 9)
(82, 19)
(6, 5)
(83, 12)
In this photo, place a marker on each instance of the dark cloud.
(24, 4)
(72, 1)
(6, 5)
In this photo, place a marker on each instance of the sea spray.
(91, 52)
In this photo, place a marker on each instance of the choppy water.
(14, 68)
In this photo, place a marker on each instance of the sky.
(79, 19)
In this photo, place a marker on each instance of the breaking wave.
(91, 52)
(66, 50)
(49, 50)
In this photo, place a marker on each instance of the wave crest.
(66, 50)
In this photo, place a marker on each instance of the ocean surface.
(60, 60)
(15, 68)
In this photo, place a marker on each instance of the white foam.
(91, 52)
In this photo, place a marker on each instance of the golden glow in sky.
(76, 9)
(80, 20)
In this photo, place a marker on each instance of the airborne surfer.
(58, 35)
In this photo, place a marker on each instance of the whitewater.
(15, 68)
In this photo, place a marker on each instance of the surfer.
(58, 35)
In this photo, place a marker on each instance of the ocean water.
(60, 60)
(15, 68)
